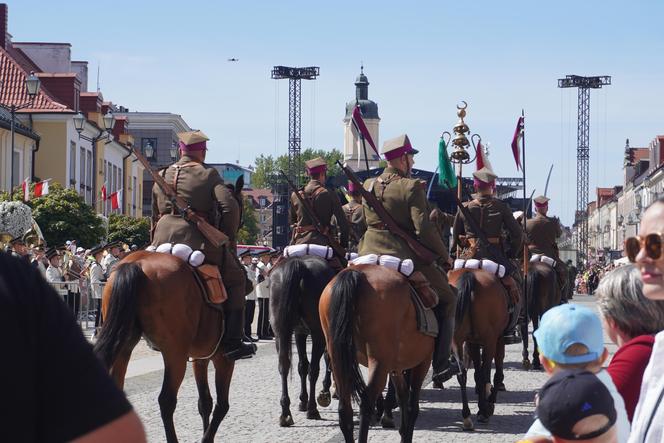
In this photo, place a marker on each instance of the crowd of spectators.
(583, 400)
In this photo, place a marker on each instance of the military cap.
(541, 201)
(244, 253)
(115, 244)
(52, 252)
(397, 146)
(315, 165)
(193, 141)
(484, 176)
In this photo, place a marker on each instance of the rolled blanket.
(350, 256)
(544, 259)
(488, 265)
(194, 257)
(405, 267)
(309, 249)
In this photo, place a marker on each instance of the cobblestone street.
(255, 391)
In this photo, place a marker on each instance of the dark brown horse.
(295, 288)
(481, 318)
(367, 313)
(542, 293)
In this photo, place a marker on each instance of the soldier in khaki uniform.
(203, 188)
(325, 205)
(405, 199)
(493, 216)
(542, 232)
(355, 217)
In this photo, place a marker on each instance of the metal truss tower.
(585, 84)
(294, 76)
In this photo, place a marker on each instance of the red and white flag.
(483, 157)
(518, 135)
(103, 192)
(116, 200)
(26, 189)
(362, 130)
(41, 188)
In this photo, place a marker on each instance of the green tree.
(248, 233)
(63, 215)
(133, 231)
(267, 167)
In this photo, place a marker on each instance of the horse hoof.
(526, 364)
(482, 418)
(313, 415)
(537, 367)
(285, 422)
(302, 407)
(324, 399)
(468, 424)
(500, 387)
(438, 385)
(335, 395)
(387, 422)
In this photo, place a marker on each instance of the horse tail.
(287, 306)
(120, 321)
(342, 313)
(533, 283)
(466, 287)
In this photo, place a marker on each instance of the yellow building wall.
(51, 159)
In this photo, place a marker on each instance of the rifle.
(494, 253)
(338, 250)
(423, 253)
(212, 234)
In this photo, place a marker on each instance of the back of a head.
(620, 298)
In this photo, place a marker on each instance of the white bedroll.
(405, 267)
(325, 252)
(194, 257)
(487, 265)
(544, 259)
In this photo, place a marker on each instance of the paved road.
(255, 392)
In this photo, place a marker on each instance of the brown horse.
(542, 293)
(481, 318)
(367, 313)
(156, 296)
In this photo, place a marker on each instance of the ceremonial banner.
(445, 170)
(361, 128)
(518, 134)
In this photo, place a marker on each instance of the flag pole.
(525, 217)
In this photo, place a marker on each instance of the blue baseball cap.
(568, 324)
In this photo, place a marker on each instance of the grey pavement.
(255, 392)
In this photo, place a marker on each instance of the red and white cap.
(398, 146)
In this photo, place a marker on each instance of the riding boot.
(233, 346)
(511, 335)
(444, 366)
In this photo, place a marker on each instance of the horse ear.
(239, 183)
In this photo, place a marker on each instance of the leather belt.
(379, 226)
(307, 228)
(177, 211)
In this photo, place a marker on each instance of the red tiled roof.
(638, 154)
(14, 92)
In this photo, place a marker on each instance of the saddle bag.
(423, 288)
(210, 276)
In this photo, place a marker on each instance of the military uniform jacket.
(405, 200)
(355, 217)
(97, 280)
(443, 223)
(493, 216)
(326, 205)
(54, 274)
(203, 188)
(542, 232)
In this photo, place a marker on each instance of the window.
(133, 197)
(72, 165)
(16, 167)
(81, 181)
(262, 201)
(88, 176)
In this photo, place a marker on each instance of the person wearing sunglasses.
(646, 251)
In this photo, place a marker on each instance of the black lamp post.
(32, 84)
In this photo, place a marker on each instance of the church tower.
(353, 151)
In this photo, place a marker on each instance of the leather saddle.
(211, 285)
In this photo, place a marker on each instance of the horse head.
(236, 192)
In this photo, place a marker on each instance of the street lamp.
(149, 150)
(32, 84)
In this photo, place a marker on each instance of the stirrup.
(450, 371)
(244, 350)
(511, 338)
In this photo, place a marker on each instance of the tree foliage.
(130, 230)
(63, 215)
(248, 233)
(267, 167)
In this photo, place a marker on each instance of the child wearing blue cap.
(570, 336)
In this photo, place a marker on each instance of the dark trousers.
(249, 309)
(264, 329)
(97, 306)
(73, 300)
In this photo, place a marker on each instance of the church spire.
(362, 85)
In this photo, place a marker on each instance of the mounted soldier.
(492, 216)
(542, 232)
(204, 190)
(323, 203)
(404, 198)
(355, 217)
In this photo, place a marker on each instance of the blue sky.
(421, 59)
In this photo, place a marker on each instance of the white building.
(353, 149)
